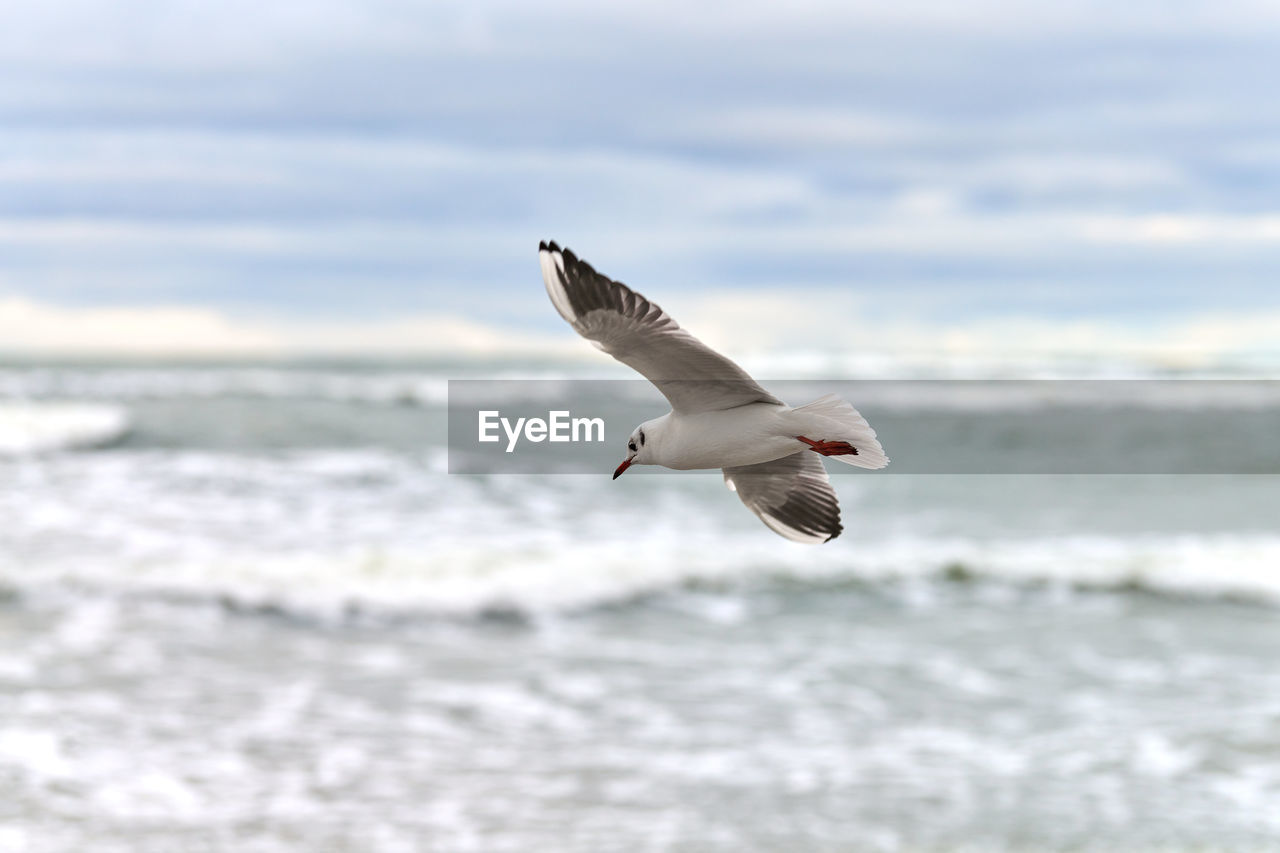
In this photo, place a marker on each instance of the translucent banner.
(568, 426)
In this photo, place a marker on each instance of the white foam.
(459, 579)
(27, 428)
(323, 530)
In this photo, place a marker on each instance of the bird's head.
(639, 447)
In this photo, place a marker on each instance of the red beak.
(626, 463)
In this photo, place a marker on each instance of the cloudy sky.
(241, 174)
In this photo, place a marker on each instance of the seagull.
(720, 417)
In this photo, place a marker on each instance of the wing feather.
(792, 496)
(613, 317)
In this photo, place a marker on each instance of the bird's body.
(697, 440)
(720, 417)
(727, 438)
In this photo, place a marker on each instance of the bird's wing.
(692, 376)
(792, 496)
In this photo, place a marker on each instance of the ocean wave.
(379, 385)
(906, 365)
(1156, 394)
(558, 578)
(389, 387)
(793, 379)
(27, 428)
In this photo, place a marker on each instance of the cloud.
(749, 326)
(31, 328)
(340, 160)
(766, 323)
(1172, 230)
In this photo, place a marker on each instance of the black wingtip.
(542, 245)
(551, 244)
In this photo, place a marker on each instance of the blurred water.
(252, 611)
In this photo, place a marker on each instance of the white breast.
(745, 435)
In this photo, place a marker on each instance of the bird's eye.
(631, 445)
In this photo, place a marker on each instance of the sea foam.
(27, 428)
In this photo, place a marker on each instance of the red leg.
(830, 448)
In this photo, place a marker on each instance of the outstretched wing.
(792, 496)
(635, 331)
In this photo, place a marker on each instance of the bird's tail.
(830, 418)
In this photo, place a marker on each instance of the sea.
(246, 606)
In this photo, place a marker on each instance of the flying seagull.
(720, 417)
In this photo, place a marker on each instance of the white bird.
(720, 417)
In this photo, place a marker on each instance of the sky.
(377, 175)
